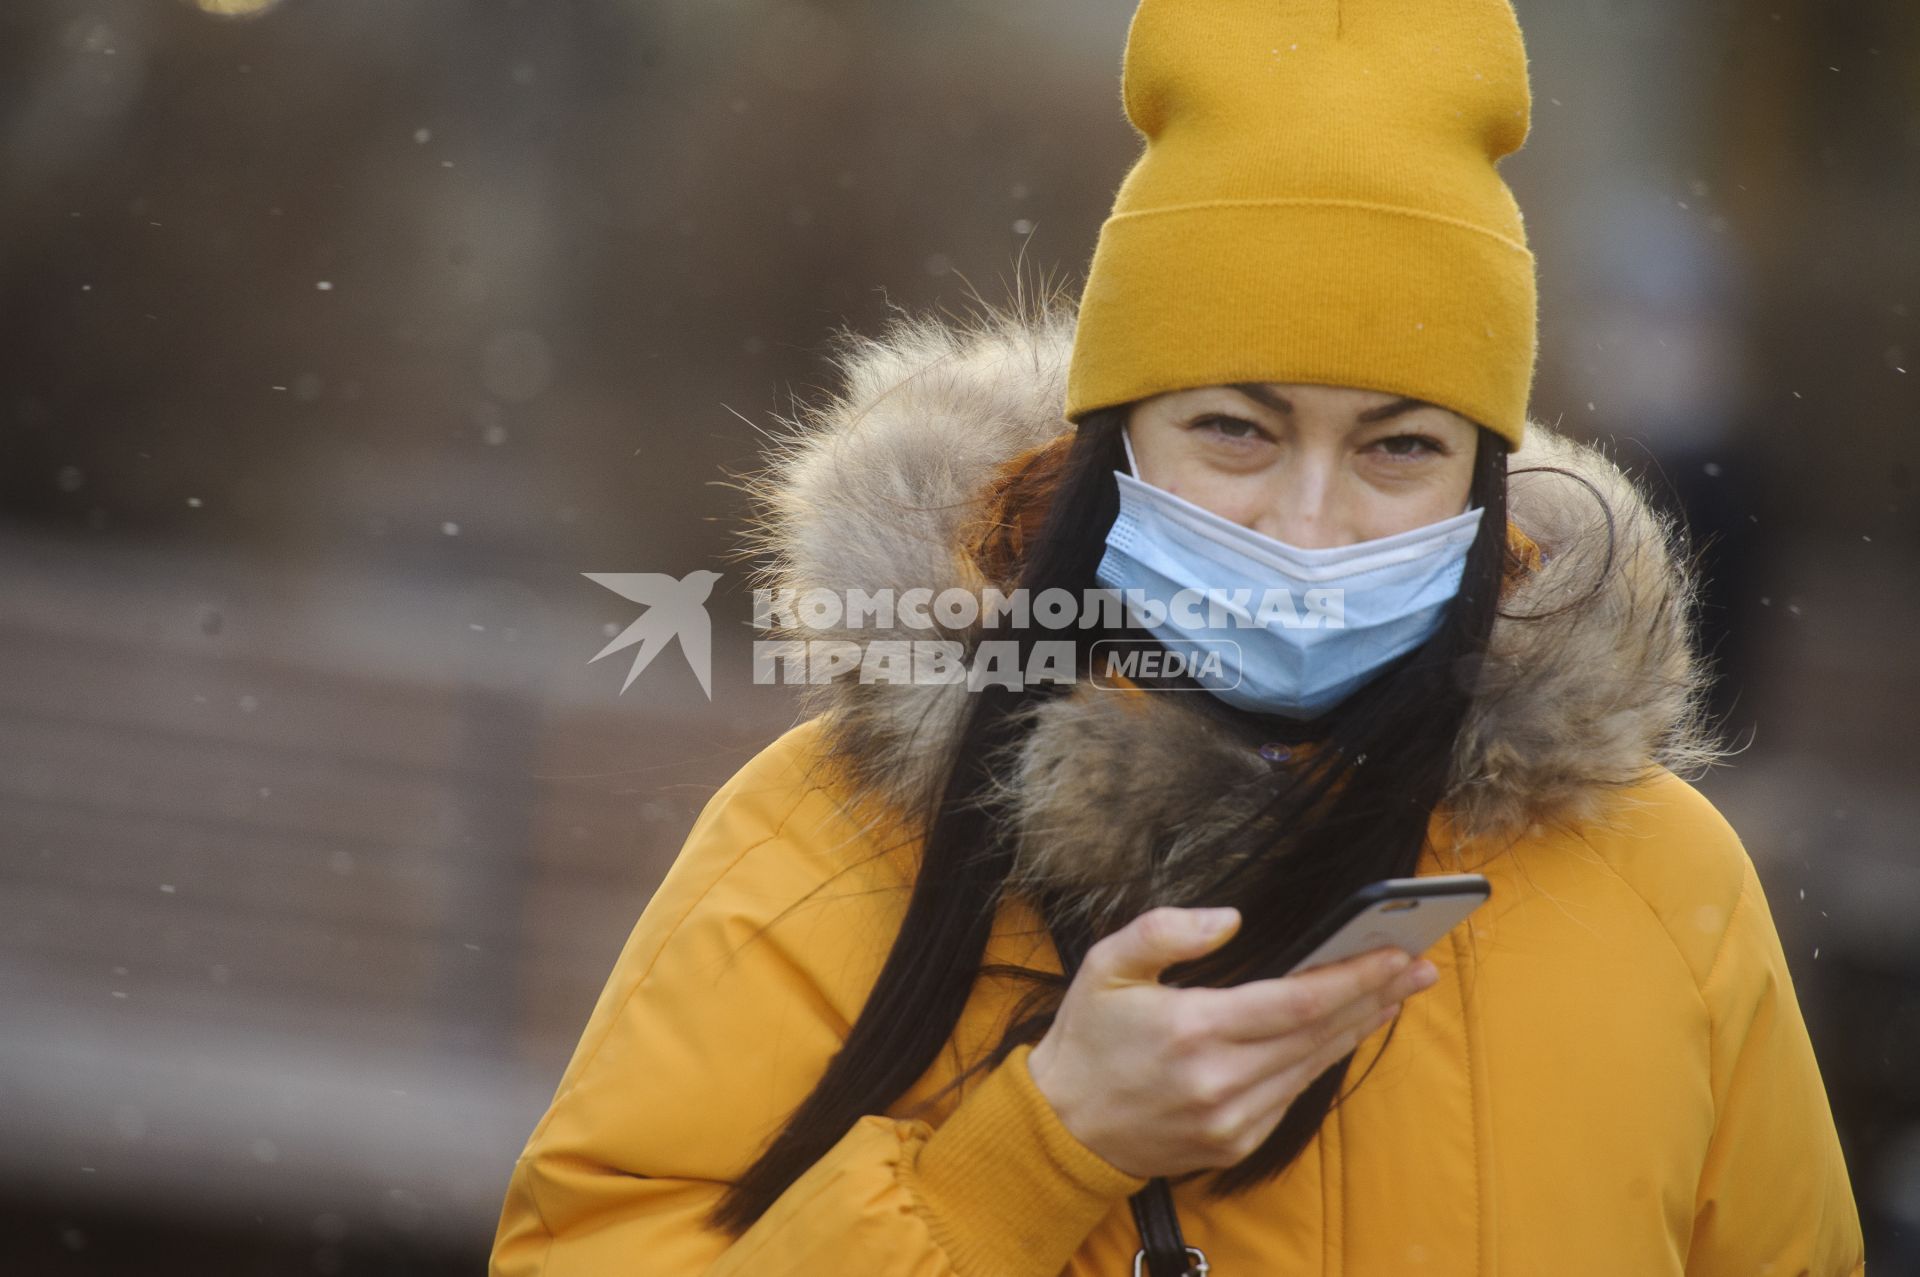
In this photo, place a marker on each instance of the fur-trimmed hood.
(1591, 680)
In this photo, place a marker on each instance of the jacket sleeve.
(1774, 1194)
(725, 1005)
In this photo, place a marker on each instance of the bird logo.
(676, 608)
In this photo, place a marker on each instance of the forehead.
(1305, 400)
(1281, 396)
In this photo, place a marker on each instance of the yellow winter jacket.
(1612, 1077)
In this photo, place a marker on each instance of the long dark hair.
(1355, 812)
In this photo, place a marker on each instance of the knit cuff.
(1007, 1189)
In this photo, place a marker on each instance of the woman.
(985, 976)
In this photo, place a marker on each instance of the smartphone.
(1409, 913)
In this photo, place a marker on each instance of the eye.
(1228, 427)
(1410, 444)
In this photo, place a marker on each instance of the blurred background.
(338, 339)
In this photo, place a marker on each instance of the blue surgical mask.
(1295, 631)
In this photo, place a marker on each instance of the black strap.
(1161, 1243)
(1163, 1248)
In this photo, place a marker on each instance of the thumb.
(1158, 938)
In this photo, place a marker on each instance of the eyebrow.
(1281, 404)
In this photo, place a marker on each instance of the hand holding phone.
(1161, 1079)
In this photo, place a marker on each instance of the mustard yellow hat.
(1317, 201)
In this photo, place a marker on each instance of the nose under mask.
(1292, 631)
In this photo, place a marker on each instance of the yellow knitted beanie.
(1317, 201)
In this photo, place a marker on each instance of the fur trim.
(1590, 682)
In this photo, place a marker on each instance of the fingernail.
(1398, 960)
(1211, 920)
(1425, 974)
